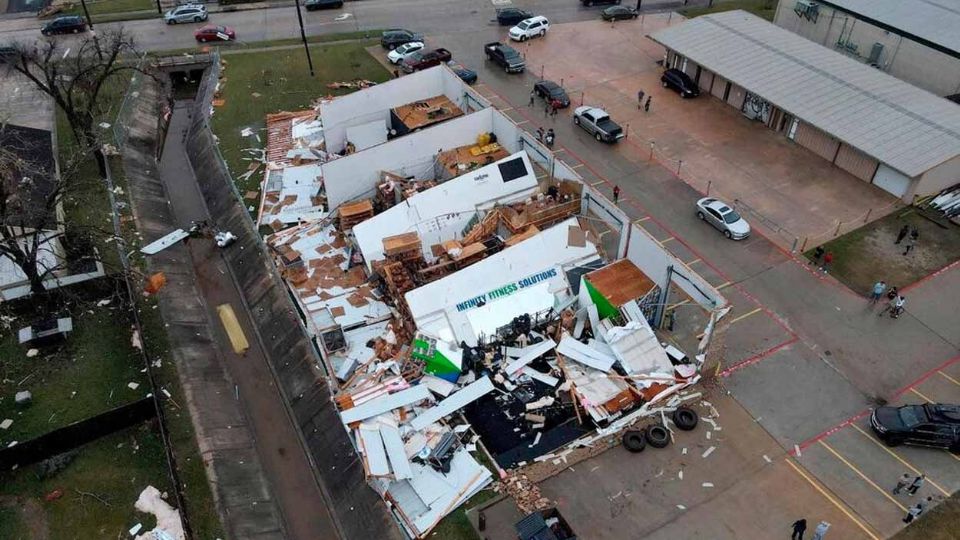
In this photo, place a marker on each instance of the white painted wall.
(596, 205)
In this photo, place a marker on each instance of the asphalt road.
(428, 16)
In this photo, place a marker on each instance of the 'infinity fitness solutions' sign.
(507, 289)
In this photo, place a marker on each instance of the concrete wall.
(942, 176)
(374, 103)
(905, 59)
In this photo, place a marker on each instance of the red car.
(212, 32)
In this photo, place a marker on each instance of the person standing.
(533, 96)
(554, 106)
(915, 233)
(799, 527)
(917, 482)
(817, 255)
(616, 194)
(879, 288)
(902, 234)
(646, 105)
(821, 530)
(827, 261)
(640, 95)
(913, 513)
(902, 483)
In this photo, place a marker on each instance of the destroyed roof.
(314, 261)
(290, 194)
(442, 212)
(287, 130)
(426, 112)
(529, 274)
(28, 176)
(620, 282)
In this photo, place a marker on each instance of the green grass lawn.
(281, 81)
(102, 7)
(115, 468)
(761, 8)
(456, 525)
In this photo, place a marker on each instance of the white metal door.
(792, 132)
(892, 181)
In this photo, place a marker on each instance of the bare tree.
(79, 79)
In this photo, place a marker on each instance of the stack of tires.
(657, 435)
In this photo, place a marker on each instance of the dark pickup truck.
(423, 60)
(505, 56)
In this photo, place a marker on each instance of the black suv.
(64, 25)
(681, 82)
(511, 16)
(932, 424)
(313, 5)
(394, 37)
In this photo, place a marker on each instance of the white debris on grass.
(32, 352)
(169, 525)
(684, 451)
(135, 340)
(767, 458)
(133, 385)
(681, 507)
(135, 529)
(6, 424)
(105, 301)
(708, 451)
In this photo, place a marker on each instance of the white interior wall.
(595, 204)
(374, 103)
(357, 175)
(467, 98)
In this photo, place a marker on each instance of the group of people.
(911, 487)
(800, 526)
(547, 137)
(896, 302)
(822, 258)
(908, 236)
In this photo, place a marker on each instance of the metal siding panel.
(736, 97)
(816, 141)
(856, 162)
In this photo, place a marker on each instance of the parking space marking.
(695, 261)
(597, 183)
(898, 458)
(840, 506)
(723, 285)
(949, 378)
(577, 166)
(757, 357)
(925, 398)
(745, 315)
(664, 241)
(524, 122)
(639, 220)
(863, 476)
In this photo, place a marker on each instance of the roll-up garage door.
(816, 141)
(719, 86)
(856, 162)
(736, 97)
(891, 181)
(706, 80)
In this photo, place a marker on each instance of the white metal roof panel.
(937, 21)
(903, 126)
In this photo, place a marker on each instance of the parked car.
(725, 219)
(394, 37)
(511, 16)
(423, 60)
(313, 5)
(8, 54)
(551, 91)
(466, 75)
(71, 24)
(212, 32)
(186, 13)
(619, 13)
(599, 2)
(403, 51)
(931, 424)
(505, 56)
(528, 28)
(598, 123)
(681, 82)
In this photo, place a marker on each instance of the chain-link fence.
(121, 124)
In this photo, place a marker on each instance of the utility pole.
(303, 36)
(87, 13)
(639, 2)
(159, 9)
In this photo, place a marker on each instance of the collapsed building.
(473, 300)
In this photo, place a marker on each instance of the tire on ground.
(657, 436)
(634, 441)
(685, 418)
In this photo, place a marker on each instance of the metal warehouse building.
(870, 124)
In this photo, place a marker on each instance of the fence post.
(679, 164)
(803, 247)
(709, 183)
(793, 248)
(651, 152)
(866, 218)
(836, 232)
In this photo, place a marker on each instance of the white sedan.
(725, 219)
(402, 52)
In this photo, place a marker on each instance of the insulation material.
(393, 444)
(371, 444)
(585, 355)
(169, 525)
(637, 348)
(452, 404)
(385, 404)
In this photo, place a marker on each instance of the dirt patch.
(870, 253)
(31, 514)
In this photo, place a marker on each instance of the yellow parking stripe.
(230, 323)
(695, 261)
(949, 378)
(722, 285)
(745, 315)
(832, 500)
(925, 398)
(898, 458)
(863, 476)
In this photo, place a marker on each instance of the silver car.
(725, 219)
(186, 13)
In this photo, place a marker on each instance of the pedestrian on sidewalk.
(533, 96)
(879, 288)
(913, 513)
(918, 481)
(646, 105)
(640, 95)
(902, 234)
(616, 194)
(827, 260)
(540, 133)
(910, 243)
(554, 106)
(893, 293)
(915, 233)
(817, 255)
(821, 530)
(799, 527)
(902, 483)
